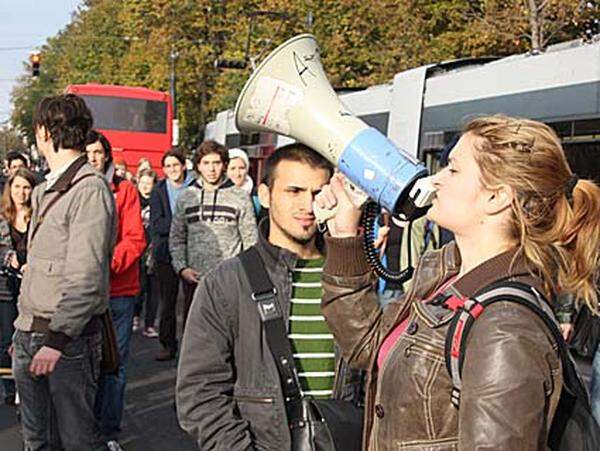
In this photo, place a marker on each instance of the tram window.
(587, 127)
(233, 140)
(562, 128)
(378, 121)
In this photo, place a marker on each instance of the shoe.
(136, 326)
(164, 355)
(150, 332)
(113, 445)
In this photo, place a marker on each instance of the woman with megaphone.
(470, 358)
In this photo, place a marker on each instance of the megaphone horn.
(289, 94)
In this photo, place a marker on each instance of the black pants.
(188, 297)
(168, 287)
(8, 314)
(147, 298)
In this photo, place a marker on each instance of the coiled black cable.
(371, 211)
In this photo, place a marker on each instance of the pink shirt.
(395, 334)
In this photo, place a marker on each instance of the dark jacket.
(7, 251)
(228, 391)
(511, 379)
(160, 222)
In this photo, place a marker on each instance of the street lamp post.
(173, 92)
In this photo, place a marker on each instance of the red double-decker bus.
(138, 122)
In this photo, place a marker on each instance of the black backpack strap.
(265, 296)
(471, 309)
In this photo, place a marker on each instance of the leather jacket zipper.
(255, 399)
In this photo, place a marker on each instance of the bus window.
(127, 114)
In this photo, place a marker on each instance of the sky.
(24, 26)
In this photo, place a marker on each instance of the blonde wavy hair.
(555, 217)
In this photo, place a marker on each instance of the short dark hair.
(293, 152)
(95, 136)
(208, 147)
(174, 152)
(67, 120)
(16, 155)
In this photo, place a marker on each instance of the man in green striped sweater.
(229, 393)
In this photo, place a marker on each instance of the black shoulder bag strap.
(265, 296)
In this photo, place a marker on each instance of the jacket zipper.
(338, 379)
(255, 399)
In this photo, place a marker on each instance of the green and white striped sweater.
(310, 337)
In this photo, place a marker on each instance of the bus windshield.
(127, 114)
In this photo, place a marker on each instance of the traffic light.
(230, 64)
(35, 59)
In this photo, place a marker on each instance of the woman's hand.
(345, 222)
(14, 262)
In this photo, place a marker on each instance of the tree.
(129, 42)
(10, 139)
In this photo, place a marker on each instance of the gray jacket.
(228, 391)
(210, 226)
(68, 262)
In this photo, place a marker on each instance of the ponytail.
(580, 275)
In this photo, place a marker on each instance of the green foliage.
(10, 140)
(129, 42)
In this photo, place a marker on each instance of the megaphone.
(289, 94)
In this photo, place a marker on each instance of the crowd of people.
(92, 253)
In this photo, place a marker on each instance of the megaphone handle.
(322, 215)
(357, 196)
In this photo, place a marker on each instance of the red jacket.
(131, 243)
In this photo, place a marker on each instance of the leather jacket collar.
(504, 266)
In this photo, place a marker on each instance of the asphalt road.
(149, 422)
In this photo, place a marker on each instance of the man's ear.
(264, 195)
(499, 199)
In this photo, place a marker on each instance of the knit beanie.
(239, 153)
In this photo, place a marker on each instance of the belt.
(42, 325)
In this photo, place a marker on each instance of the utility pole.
(173, 92)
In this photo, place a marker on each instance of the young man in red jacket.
(124, 282)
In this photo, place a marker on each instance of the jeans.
(8, 314)
(111, 392)
(57, 410)
(595, 385)
(168, 287)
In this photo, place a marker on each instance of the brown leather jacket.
(512, 376)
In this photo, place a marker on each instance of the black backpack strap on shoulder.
(471, 309)
(265, 296)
